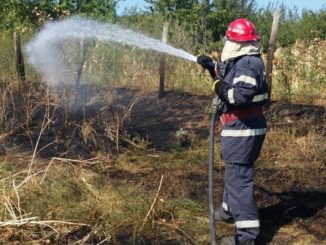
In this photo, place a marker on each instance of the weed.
(115, 197)
(298, 73)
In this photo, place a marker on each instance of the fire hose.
(215, 109)
(216, 71)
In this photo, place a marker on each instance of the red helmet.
(242, 30)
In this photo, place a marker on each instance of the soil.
(286, 196)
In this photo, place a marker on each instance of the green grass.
(115, 195)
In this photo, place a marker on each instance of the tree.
(190, 15)
(18, 14)
(225, 11)
(97, 9)
(312, 25)
(15, 13)
(204, 20)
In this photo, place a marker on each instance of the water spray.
(43, 53)
(43, 50)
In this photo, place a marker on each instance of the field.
(74, 180)
(110, 163)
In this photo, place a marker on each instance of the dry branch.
(34, 221)
(154, 201)
(28, 178)
(271, 50)
(87, 161)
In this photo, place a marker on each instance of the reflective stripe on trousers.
(239, 199)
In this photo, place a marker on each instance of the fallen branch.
(91, 160)
(17, 222)
(103, 241)
(154, 202)
(11, 176)
(45, 124)
(28, 178)
(34, 221)
(88, 161)
(131, 142)
(18, 199)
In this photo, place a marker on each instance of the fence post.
(271, 50)
(20, 66)
(162, 61)
(82, 55)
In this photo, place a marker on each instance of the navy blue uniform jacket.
(246, 93)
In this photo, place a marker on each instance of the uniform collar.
(232, 50)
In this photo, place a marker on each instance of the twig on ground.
(18, 199)
(28, 178)
(90, 189)
(88, 161)
(45, 123)
(8, 206)
(34, 221)
(51, 143)
(131, 105)
(11, 176)
(138, 146)
(154, 201)
(105, 240)
(154, 156)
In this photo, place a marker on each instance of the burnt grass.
(285, 195)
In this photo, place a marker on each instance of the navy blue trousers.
(239, 202)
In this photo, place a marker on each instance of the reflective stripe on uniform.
(247, 224)
(225, 206)
(246, 79)
(242, 132)
(230, 96)
(260, 97)
(257, 98)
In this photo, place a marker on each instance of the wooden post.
(20, 67)
(162, 61)
(271, 50)
(82, 55)
(205, 11)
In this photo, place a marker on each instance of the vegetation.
(109, 163)
(22, 14)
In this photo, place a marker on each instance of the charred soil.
(132, 139)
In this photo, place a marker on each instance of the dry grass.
(121, 199)
(74, 196)
(115, 198)
(289, 148)
(299, 72)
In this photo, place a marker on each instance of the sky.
(300, 4)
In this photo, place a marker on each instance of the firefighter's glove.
(221, 88)
(206, 62)
(209, 64)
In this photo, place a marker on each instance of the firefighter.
(243, 90)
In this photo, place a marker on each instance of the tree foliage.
(205, 21)
(201, 22)
(20, 14)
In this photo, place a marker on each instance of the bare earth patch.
(290, 188)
